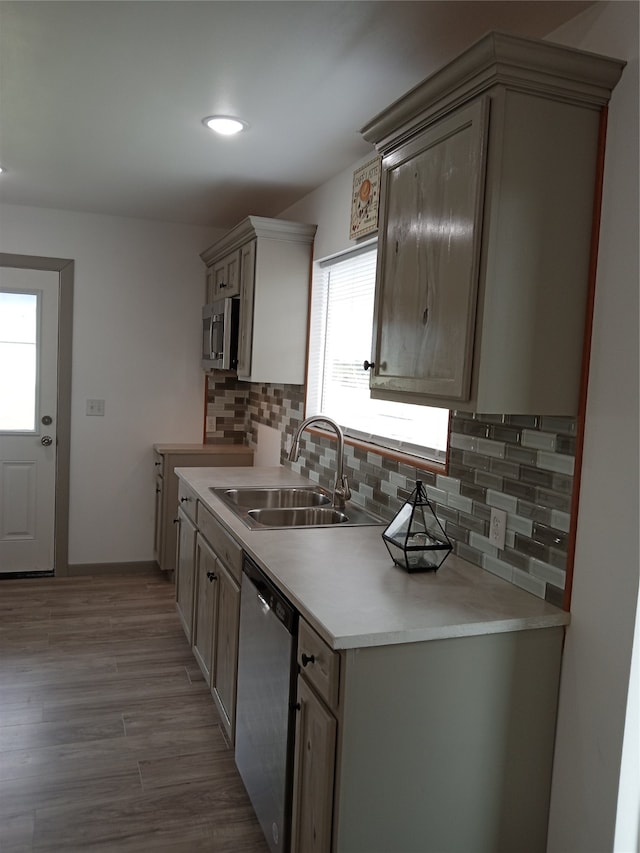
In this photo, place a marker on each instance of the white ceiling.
(101, 101)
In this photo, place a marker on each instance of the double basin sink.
(280, 507)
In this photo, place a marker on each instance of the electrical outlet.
(498, 528)
(211, 423)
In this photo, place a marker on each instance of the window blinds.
(340, 341)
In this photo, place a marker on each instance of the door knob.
(46, 440)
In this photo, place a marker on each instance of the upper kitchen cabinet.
(274, 264)
(223, 277)
(489, 195)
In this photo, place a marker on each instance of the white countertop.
(344, 583)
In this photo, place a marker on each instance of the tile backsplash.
(521, 464)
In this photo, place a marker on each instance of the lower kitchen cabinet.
(225, 672)
(185, 571)
(313, 773)
(444, 745)
(167, 457)
(205, 610)
(209, 571)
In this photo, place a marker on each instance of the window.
(18, 361)
(337, 384)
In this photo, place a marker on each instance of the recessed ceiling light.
(225, 125)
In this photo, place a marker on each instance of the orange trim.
(584, 379)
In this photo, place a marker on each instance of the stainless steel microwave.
(220, 322)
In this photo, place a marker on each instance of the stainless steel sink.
(316, 516)
(276, 497)
(285, 507)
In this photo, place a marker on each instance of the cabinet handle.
(212, 576)
(308, 659)
(369, 364)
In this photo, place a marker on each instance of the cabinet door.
(225, 673)
(428, 258)
(226, 276)
(206, 595)
(313, 775)
(247, 285)
(185, 570)
(158, 522)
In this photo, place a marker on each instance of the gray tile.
(489, 481)
(520, 454)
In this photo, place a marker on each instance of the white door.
(28, 423)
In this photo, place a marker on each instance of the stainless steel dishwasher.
(265, 716)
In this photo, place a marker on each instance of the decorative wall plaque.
(364, 199)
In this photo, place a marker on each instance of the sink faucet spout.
(341, 491)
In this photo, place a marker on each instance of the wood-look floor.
(109, 738)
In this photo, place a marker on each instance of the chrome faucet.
(341, 490)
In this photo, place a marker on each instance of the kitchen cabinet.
(206, 606)
(166, 458)
(274, 271)
(443, 745)
(425, 704)
(315, 745)
(185, 571)
(488, 197)
(223, 278)
(217, 569)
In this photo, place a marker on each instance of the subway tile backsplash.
(522, 464)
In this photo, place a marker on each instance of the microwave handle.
(211, 354)
(226, 346)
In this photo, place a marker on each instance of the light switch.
(95, 408)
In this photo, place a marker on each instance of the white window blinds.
(340, 341)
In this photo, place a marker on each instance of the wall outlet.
(498, 528)
(211, 423)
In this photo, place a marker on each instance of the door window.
(18, 361)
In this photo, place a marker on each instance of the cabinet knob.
(183, 500)
(212, 576)
(368, 364)
(221, 285)
(176, 521)
(306, 659)
(157, 464)
(158, 491)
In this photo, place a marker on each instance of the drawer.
(319, 664)
(187, 500)
(226, 548)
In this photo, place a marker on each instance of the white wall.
(597, 660)
(596, 667)
(139, 288)
(329, 207)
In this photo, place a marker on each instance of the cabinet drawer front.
(187, 500)
(226, 548)
(319, 663)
